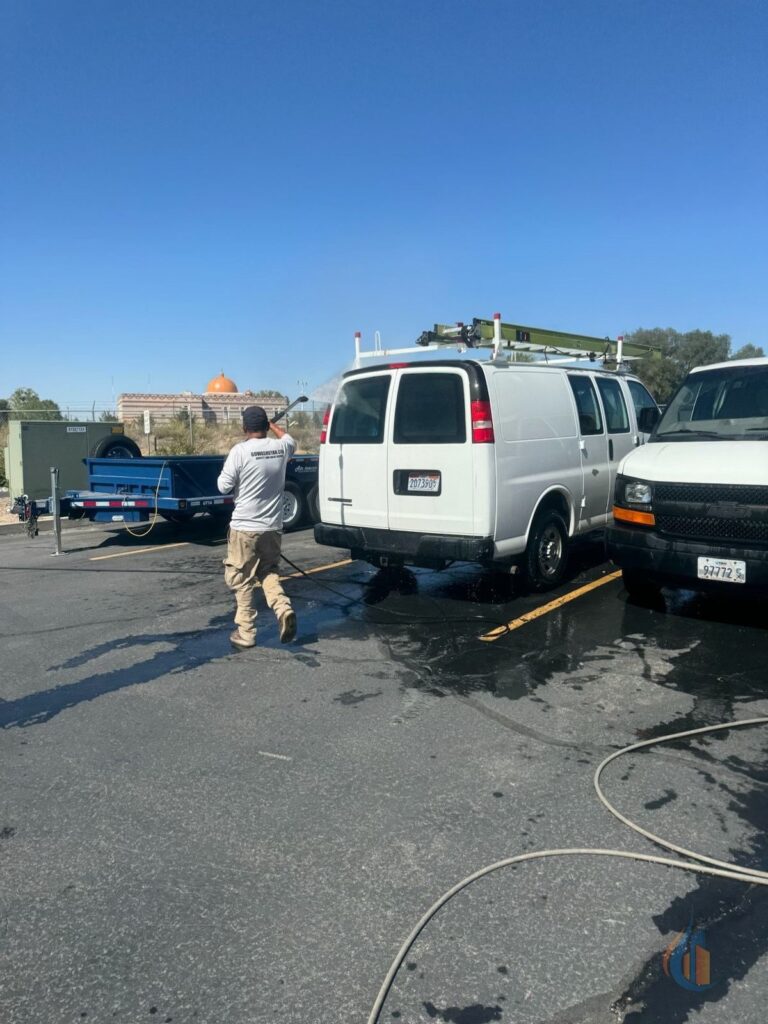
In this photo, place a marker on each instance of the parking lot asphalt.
(193, 834)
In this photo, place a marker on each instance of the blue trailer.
(175, 487)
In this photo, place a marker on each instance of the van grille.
(728, 512)
(705, 494)
(709, 528)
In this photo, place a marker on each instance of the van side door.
(621, 439)
(593, 445)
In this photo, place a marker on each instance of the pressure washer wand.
(294, 403)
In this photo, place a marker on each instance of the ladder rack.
(504, 338)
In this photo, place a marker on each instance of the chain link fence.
(179, 429)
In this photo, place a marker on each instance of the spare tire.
(116, 446)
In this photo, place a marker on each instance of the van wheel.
(294, 506)
(313, 501)
(547, 551)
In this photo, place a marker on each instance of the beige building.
(220, 403)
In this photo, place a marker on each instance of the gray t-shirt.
(255, 472)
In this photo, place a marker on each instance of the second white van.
(427, 463)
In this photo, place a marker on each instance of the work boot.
(287, 623)
(238, 640)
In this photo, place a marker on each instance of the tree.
(4, 407)
(749, 352)
(26, 404)
(108, 416)
(674, 354)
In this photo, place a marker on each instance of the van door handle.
(610, 448)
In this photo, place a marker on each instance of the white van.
(426, 463)
(691, 508)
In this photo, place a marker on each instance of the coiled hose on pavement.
(696, 862)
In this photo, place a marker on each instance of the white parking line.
(139, 551)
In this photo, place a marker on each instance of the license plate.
(726, 570)
(423, 483)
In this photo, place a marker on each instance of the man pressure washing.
(255, 472)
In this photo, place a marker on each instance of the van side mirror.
(648, 418)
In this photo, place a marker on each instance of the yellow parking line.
(545, 609)
(318, 568)
(139, 551)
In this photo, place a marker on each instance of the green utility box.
(36, 445)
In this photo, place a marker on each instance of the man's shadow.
(189, 650)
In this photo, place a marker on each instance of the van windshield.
(727, 404)
(359, 413)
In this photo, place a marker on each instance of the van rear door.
(353, 467)
(431, 472)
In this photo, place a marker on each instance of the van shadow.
(474, 584)
(189, 650)
(734, 608)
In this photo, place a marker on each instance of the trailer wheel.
(294, 506)
(178, 516)
(547, 551)
(118, 446)
(313, 501)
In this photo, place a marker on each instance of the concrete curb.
(46, 526)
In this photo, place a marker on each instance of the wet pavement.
(193, 834)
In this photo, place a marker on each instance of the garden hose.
(695, 862)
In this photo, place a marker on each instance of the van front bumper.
(400, 545)
(675, 560)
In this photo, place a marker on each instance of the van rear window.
(430, 409)
(360, 411)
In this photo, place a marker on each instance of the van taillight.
(324, 431)
(482, 423)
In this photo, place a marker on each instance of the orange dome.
(221, 385)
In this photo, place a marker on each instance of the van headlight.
(637, 492)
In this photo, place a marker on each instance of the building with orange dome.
(221, 385)
(221, 402)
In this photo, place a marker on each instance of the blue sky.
(191, 185)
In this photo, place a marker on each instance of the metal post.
(56, 510)
(496, 334)
(191, 431)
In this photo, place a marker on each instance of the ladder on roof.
(504, 338)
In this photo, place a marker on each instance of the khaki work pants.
(253, 558)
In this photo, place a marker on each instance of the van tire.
(313, 501)
(547, 553)
(294, 506)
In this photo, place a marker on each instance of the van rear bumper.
(426, 548)
(675, 560)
